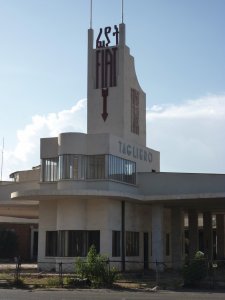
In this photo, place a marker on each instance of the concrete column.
(220, 232)
(193, 232)
(157, 234)
(177, 237)
(208, 234)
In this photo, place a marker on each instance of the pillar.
(220, 232)
(157, 235)
(177, 237)
(193, 232)
(208, 235)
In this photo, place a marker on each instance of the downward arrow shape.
(105, 95)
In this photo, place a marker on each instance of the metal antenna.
(2, 157)
(91, 14)
(122, 10)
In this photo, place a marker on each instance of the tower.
(116, 102)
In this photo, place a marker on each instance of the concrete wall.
(94, 144)
(180, 183)
(93, 214)
(118, 121)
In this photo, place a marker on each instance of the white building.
(105, 187)
(21, 217)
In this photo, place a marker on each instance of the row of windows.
(70, 243)
(76, 243)
(81, 167)
(132, 243)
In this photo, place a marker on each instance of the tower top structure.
(116, 101)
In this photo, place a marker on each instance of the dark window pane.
(51, 243)
(167, 244)
(95, 167)
(116, 243)
(94, 239)
(77, 243)
(132, 243)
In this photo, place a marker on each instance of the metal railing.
(61, 273)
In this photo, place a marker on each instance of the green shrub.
(53, 282)
(96, 269)
(195, 270)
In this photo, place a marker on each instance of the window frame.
(132, 243)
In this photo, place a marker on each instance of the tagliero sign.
(135, 152)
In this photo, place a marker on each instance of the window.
(49, 169)
(71, 242)
(116, 243)
(93, 237)
(51, 243)
(134, 111)
(132, 243)
(151, 243)
(75, 168)
(95, 167)
(167, 244)
(77, 243)
(121, 169)
(62, 243)
(84, 167)
(69, 166)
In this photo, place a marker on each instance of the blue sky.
(179, 52)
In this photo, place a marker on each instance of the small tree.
(195, 270)
(95, 268)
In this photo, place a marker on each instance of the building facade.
(105, 187)
(20, 218)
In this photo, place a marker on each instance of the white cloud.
(190, 135)
(26, 151)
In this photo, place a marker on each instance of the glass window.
(132, 243)
(77, 243)
(69, 166)
(95, 167)
(73, 243)
(134, 111)
(49, 167)
(151, 243)
(75, 168)
(167, 244)
(63, 243)
(94, 239)
(51, 243)
(116, 243)
(121, 169)
(81, 167)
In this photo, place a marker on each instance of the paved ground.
(14, 294)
